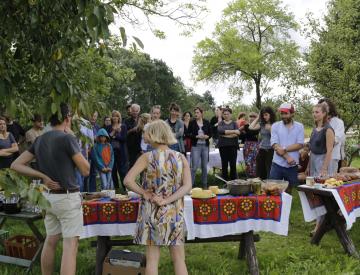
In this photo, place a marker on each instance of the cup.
(310, 181)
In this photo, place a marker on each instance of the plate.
(119, 197)
(204, 198)
(223, 191)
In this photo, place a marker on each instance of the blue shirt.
(284, 136)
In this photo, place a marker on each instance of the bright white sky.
(177, 51)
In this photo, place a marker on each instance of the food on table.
(199, 193)
(349, 170)
(93, 195)
(274, 187)
(120, 197)
(333, 182)
(214, 189)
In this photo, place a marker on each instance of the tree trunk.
(257, 89)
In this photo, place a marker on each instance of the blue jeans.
(290, 174)
(199, 157)
(90, 181)
(106, 181)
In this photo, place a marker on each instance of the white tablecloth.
(215, 159)
(312, 214)
(203, 230)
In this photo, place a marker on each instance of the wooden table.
(331, 220)
(246, 241)
(29, 218)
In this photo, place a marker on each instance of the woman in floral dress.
(161, 216)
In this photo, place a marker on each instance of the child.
(161, 216)
(103, 155)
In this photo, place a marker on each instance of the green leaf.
(42, 202)
(3, 89)
(33, 195)
(24, 192)
(92, 21)
(53, 108)
(123, 36)
(139, 42)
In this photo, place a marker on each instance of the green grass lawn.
(276, 254)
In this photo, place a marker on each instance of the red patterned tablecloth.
(106, 211)
(215, 217)
(347, 196)
(228, 209)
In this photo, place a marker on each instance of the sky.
(177, 51)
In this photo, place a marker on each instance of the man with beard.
(287, 138)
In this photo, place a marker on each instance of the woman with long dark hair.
(251, 145)
(265, 153)
(118, 133)
(187, 116)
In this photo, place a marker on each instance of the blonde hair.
(159, 132)
(115, 114)
(144, 118)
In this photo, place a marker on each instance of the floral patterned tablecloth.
(347, 197)
(205, 218)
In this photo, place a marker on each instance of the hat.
(286, 107)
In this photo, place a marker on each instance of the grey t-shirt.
(265, 137)
(53, 151)
(223, 141)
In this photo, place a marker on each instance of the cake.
(201, 194)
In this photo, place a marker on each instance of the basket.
(21, 246)
(4, 235)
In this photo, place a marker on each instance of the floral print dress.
(162, 225)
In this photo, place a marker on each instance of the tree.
(251, 45)
(209, 99)
(40, 41)
(152, 83)
(333, 59)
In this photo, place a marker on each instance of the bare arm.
(129, 181)
(20, 166)
(294, 147)
(3, 153)
(13, 149)
(81, 163)
(255, 124)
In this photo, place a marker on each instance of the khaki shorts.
(65, 215)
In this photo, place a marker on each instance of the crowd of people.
(118, 142)
(155, 148)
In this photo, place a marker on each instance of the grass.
(276, 254)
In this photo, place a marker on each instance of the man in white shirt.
(287, 138)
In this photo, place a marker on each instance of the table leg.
(2, 221)
(325, 226)
(35, 230)
(242, 252)
(339, 226)
(250, 252)
(102, 249)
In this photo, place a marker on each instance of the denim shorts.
(289, 174)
